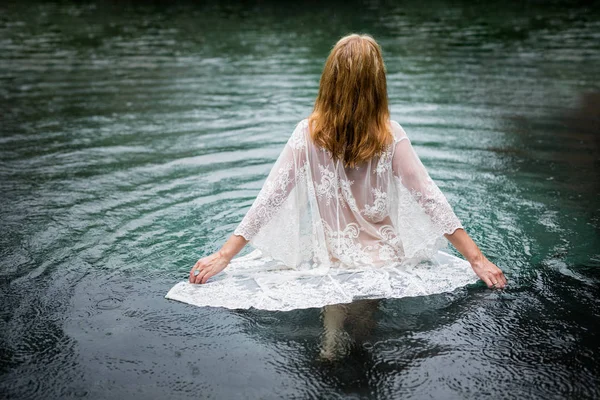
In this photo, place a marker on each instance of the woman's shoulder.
(397, 130)
(301, 126)
(298, 138)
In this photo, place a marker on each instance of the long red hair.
(351, 116)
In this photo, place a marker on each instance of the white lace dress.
(327, 234)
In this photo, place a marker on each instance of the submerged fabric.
(328, 234)
(260, 282)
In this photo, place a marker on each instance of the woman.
(348, 195)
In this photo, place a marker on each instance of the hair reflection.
(346, 326)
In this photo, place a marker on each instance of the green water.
(135, 135)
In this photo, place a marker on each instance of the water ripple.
(134, 138)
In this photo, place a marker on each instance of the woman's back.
(313, 209)
(354, 203)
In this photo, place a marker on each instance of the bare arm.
(216, 262)
(275, 190)
(409, 168)
(484, 268)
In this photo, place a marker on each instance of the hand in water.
(207, 267)
(489, 273)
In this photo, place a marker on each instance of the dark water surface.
(134, 136)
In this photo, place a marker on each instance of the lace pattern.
(379, 210)
(342, 217)
(315, 220)
(257, 281)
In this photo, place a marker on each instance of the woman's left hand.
(208, 266)
(488, 272)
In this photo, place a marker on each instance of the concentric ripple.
(135, 135)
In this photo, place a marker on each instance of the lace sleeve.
(286, 171)
(412, 174)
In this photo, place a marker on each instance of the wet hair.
(350, 118)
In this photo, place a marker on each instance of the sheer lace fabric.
(328, 234)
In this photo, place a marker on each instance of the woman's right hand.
(208, 266)
(488, 272)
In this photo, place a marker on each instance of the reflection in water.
(345, 326)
